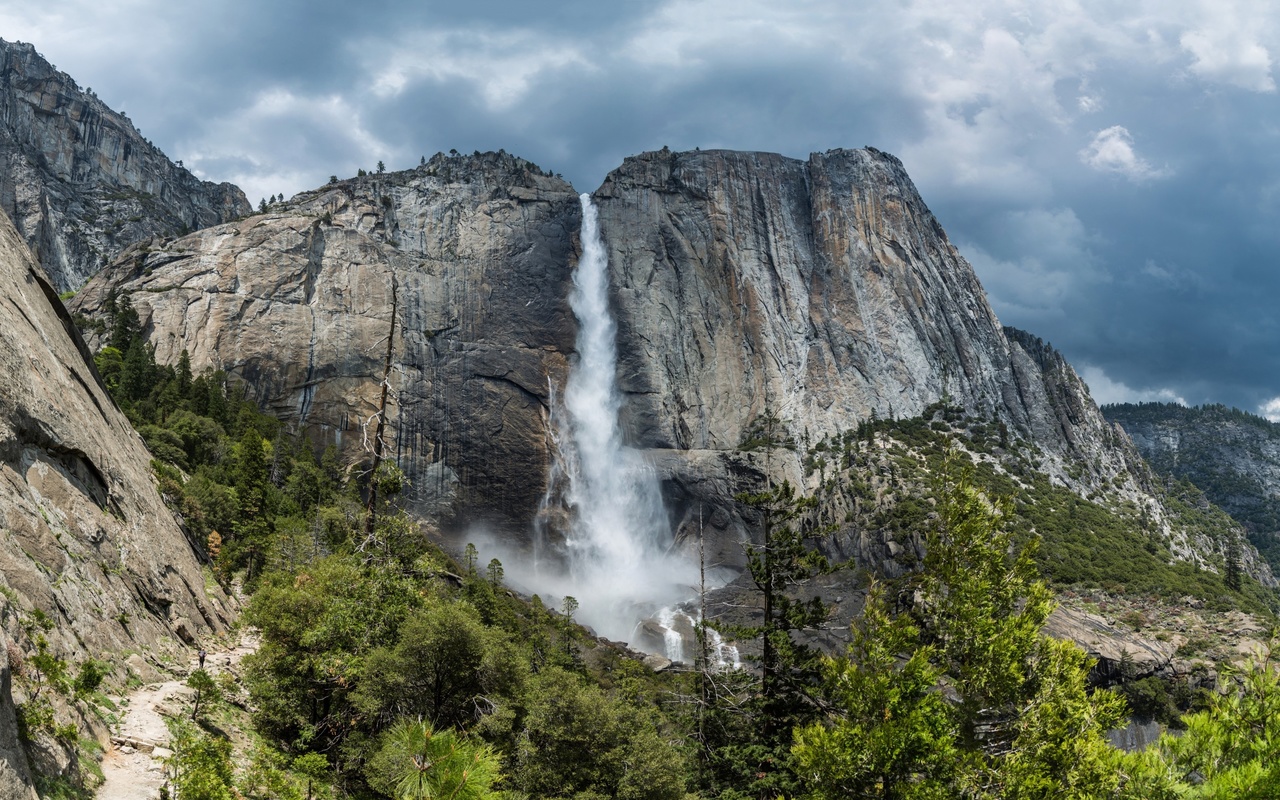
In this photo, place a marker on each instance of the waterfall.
(618, 541)
(602, 534)
(722, 655)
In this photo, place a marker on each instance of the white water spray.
(613, 549)
(620, 567)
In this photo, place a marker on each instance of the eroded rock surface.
(472, 256)
(78, 179)
(84, 535)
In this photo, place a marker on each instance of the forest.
(389, 668)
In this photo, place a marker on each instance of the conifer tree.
(781, 562)
(125, 325)
(251, 485)
(1022, 722)
(184, 375)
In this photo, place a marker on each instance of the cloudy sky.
(1112, 170)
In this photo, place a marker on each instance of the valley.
(455, 443)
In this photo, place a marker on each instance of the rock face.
(80, 182)
(15, 775)
(751, 291)
(819, 293)
(84, 535)
(471, 256)
(1231, 455)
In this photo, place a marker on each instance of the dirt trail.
(132, 767)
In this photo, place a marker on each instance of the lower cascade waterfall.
(615, 551)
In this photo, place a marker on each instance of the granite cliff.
(750, 290)
(751, 287)
(821, 292)
(78, 179)
(470, 255)
(88, 543)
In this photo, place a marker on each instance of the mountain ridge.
(1232, 455)
(80, 182)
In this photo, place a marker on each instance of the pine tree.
(415, 761)
(781, 562)
(890, 732)
(125, 324)
(752, 752)
(183, 374)
(137, 374)
(251, 484)
(1022, 722)
(1231, 574)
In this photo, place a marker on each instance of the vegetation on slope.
(878, 478)
(388, 670)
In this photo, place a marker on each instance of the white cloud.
(502, 66)
(1226, 50)
(272, 143)
(1271, 409)
(1173, 276)
(1112, 151)
(1105, 390)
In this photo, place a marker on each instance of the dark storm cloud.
(1111, 170)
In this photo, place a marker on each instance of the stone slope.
(85, 538)
(475, 253)
(78, 179)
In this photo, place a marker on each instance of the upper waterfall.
(618, 543)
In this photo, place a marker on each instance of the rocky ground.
(134, 766)
(1181, 640)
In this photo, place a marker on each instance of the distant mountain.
(1231, 455)
(78, 179)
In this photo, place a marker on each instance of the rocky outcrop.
(78, 179)
(1120, 654)
(471, 255)
(15, 773)
(84, 535)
